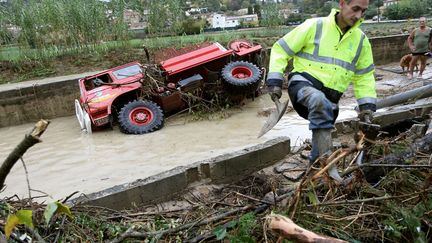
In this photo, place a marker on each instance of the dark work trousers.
(313, 105)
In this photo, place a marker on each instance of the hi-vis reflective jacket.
(319, 48)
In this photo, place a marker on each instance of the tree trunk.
(289, 230)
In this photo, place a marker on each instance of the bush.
(249, 24)
(193, 26)
(295, 19)
(406, 9)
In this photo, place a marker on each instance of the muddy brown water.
(68, 160)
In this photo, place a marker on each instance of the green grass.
(11, 53)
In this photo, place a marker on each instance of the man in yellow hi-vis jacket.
(328, 54)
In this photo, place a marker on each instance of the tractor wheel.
(140, 116)
(79, 114)
(241, 77)
(83, 118)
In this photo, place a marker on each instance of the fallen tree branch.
(252, 198)
(289, 230)
(396, 166)
(356, 167)
(131, 233)
(342, 155)
(295, 200)
(29, 140)
(372, 199)
(423, 145)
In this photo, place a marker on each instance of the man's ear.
(341, 3)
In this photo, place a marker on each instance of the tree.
(192, 26)
(374, 9)
(257, 10)
(407, 9)
(326, 8)
(213, 5)
(165, 16)
(270, 15)
(250, 10)
(234, 5)
(311, 6)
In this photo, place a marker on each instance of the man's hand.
(275, 92)
(366, 116)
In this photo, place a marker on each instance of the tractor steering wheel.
(98, 82)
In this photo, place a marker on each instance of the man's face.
(353, 11)
(422, 22)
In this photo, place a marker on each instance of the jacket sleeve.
(284, 50)
(364, 79)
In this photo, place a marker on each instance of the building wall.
(221, 21)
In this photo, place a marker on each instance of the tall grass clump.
(53, 27)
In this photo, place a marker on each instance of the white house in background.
(285, 13)
(135, 20)
(242, 11)
(387, 3)
(222, 21)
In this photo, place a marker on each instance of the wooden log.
(289, 230)
(423, 145)
(29, 140)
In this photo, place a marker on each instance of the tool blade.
(274, 117)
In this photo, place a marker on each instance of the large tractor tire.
(140, 116)
(241, 77)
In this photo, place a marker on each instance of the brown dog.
(405, 63)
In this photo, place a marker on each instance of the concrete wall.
(54, 97)
(30, 101)
(389, 49)
(28, 104)
(165, 186)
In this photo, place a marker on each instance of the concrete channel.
(49, 98)
(165, 186)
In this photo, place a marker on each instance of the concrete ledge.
(167, 185)
(389, 117)
(30, 101)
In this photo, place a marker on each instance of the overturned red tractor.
(138, 97)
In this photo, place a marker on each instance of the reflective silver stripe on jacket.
(318, 34)
(286, 48)
(275, 75)
(315, 57)
(366, 100)
(365, 70)
(298, 77)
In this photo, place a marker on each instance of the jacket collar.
(332, 17)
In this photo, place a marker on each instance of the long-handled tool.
(274, 117)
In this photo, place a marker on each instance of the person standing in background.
(419, 43)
